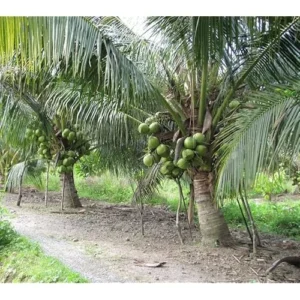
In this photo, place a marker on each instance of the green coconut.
(71, 136)
(234, 104)
(163, 150)
(164, 159)
(42, 139)
(154, 127)
(188, 154)
(164, 170)
(71, 161)
(150, 120)
(176, 172)
(201, 150)
(65, 133)
(40, 150)
(45, 151)
(66, 162)
(148, 160)
(143, 128)
(199, 138)
(71, 153)
(169, 165)
(153, 142)
(28, 131)
(190, 143)
(156, 157)
(182, 163)
(38, 132)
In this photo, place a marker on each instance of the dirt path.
(104, 244)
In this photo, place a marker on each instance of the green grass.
(112, 189)
(281, 218)
(24, 261)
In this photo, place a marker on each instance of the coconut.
(71, 161)
(148, 160)
(143, 128)
(156, 157)
(45, 151)
(150, 120)
(182, 163)
(42, 139)
(164, 159)
(38, 132)
(63, 169)
(190, 143)
(234, 104)
(188, 154)
(71, 136)
(199, 138)
(66, 162)
(71, 153)
(201, 150)
(164, 170)
(169, 165)
(176, 172)
(154, 127)
(153, 142)
(163, 150)
(65, 133)
(29, 133)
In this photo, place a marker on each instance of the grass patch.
(281, 218)
(105, 188)
(24, 261)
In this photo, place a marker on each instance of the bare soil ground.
(103, 242)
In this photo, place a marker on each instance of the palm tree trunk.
(213, 228)
(71, 198)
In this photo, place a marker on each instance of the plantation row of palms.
(85, 84)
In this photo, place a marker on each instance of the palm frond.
(147, 185)
(244, 144)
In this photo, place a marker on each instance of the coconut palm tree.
(48, 102)
(207, 64)
(203, 63)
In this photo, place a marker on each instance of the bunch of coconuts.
(40, 137)
(191, 154)
(75, 147)
(74, 143)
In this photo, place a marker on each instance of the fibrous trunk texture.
(71, 198)
(213, 228)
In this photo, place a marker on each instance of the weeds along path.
(103, 242)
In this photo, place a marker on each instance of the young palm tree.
(208, 63)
